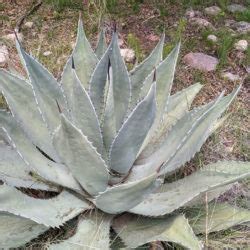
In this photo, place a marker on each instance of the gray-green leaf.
(141, 71)
(81, 157)
(129, 139)
(15, 231)
(122, 197)
(52, 212)
(101, 45)
(136, 231)
(92, 233)
(174, 195)
(21, 102)
(221, 216)
(46, 90)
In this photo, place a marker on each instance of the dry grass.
(55, 31)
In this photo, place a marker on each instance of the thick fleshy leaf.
(52, 212)
(121, 83)
(84, 60)
(84, 115)
(101, 45)
(46, 90)
(141, 71)
(164, 81)
(122, 197)
(21, 102)
(92, 233)
(81, 157)
(180, 193)
(37, 162)
(109, 121)
(15, 231)
(185, 138)
(221, 216)
(98, 82)
(197, 134)
(14, 172)
(129, 139)
(136, 231)
(178, 106)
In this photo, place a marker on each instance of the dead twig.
(29, 12)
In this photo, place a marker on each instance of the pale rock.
(212, 11)
(120, 42)
(230, 77)
(200, 22)
(236, 8)
(128, 55)
(212, 38)
(229, 22)
(29, 25)
(242, 27)
(47, 53)
(241, 45)
(12, 38)
(4, 55)
(201, 61)
(190, 13)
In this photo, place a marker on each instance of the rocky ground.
(215, 38)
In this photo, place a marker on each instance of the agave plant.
(103, 141)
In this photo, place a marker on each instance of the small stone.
(4, 55)
(190, 13)
(248, 69)
(236, 8)
(128, 55)
(229, 22)
(230, 77)
(212, 11)
(202, 23)
(201, 61)
(241, 45)
(47, 53)
(120, 42)
(12, 38)
(242, 27)
(212, 38)
(29, 24)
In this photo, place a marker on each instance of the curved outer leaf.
(52, 212)
(141, 71)
(122, 197)
(101, 45)
(180, 193)
(14, 172)
(84, 115)
(121, 83)
(221, 216)
(197, 135)
(84, 60)
(92, 233)
(49, 170)
(15, 231)
(47, 92)
(184, 139)
(178, 106)
(129, 139)
(21, 102)
(136, 231)
(164, 81)
(81, 157)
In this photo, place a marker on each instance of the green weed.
(243, 16)
(134, 43)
